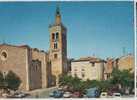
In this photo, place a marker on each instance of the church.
(37, 68)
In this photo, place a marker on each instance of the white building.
(88, 68)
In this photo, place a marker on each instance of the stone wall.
(16, 60)
(43, 58)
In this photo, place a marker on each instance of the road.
(41, 93)
(44, 93)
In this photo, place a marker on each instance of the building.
(122, 63)
(37, 68)
(126, 62)
(28, 63)
(58, 47)
(108, 68)
(88, 68)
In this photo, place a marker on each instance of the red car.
(77, 95)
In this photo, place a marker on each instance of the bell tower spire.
(58, 16)
(58, 48)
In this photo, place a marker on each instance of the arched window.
(4, 55)
(57, 36)
(55, 56)
(55, 45)
(83, 75)
(53, 36)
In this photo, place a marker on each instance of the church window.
(83, 75)
(53, 36)
(55, 56)
(55, 46)
(4, 55)
(57, 36)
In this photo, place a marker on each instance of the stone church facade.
(37, 68)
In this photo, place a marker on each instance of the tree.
(74, 83)
(65, 80)
(12, 80)
(127, 81)
(105, 85)
(119, 81)
(1, 80)
(115, 76)
(123, 79)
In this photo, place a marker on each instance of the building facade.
(125, 62)
(58, 48)
(108, 68)
(35, 67)
(29, 64)
(88, 68)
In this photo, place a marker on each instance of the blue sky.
(100, 28)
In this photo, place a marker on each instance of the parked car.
(56, 94)
(92, 92)
(51, 94)
(67, 95)
(77, 95)
(116, 95)
(103, 95)
(5, 95)
(20, 95)
(110, 93)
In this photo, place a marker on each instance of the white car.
(19, 95)
(5, 95)
(116, 95)
(103, 95)
(67, 95)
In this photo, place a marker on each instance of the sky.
(101, 29)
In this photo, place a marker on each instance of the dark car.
(56, 94)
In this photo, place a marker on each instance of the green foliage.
(74, 82)
(105, 85)
(124, 78)
(1, 80)
(12, 80)
(65, 80)
(115, 76)
(9, 81)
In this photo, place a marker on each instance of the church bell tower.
(58, 47)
